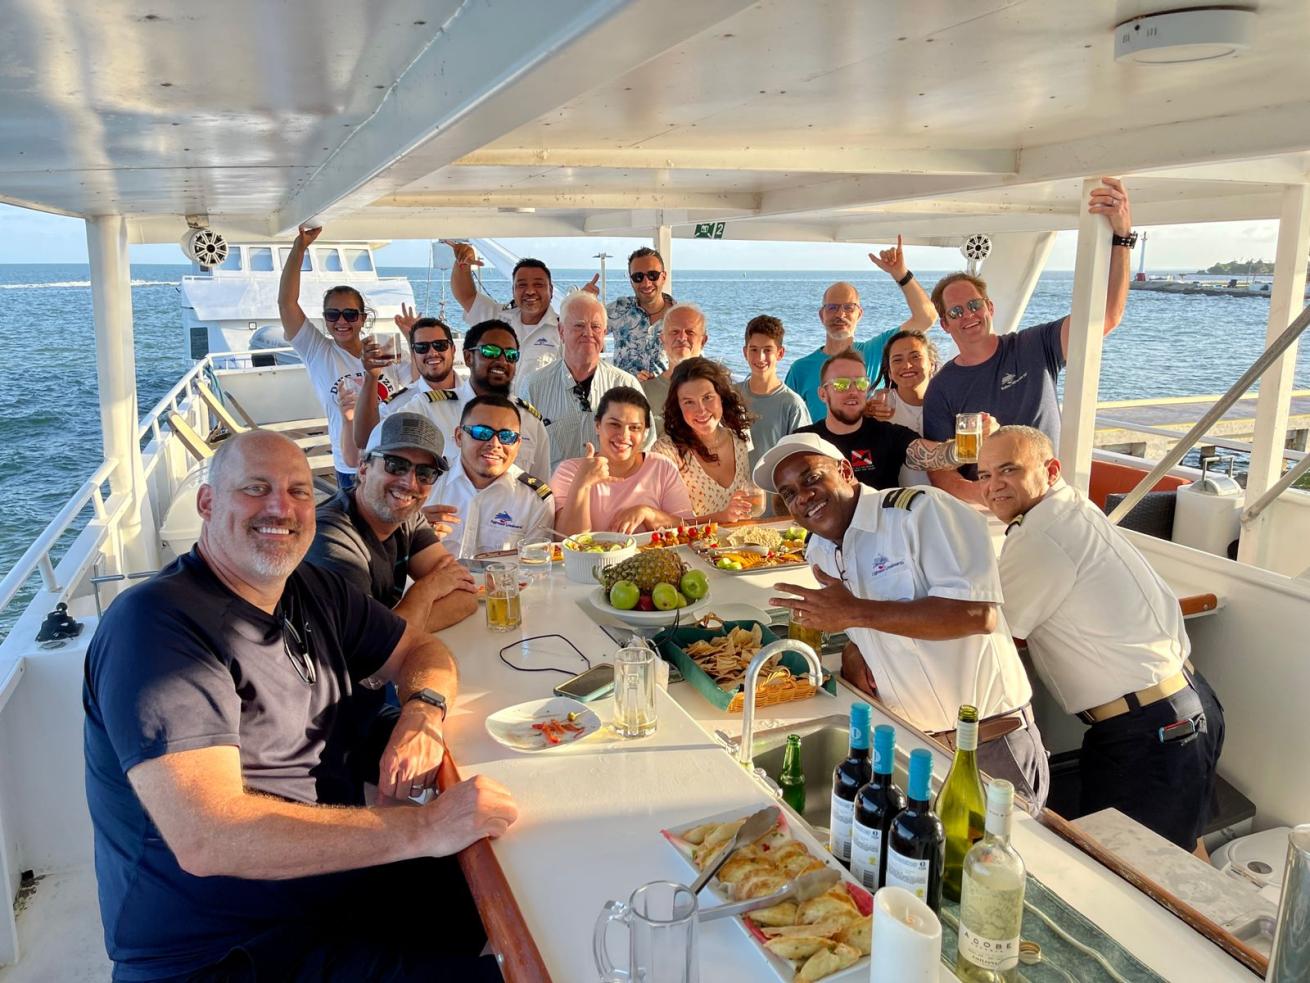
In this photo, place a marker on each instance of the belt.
(991, 728)
(1132, 701)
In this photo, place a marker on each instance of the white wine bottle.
(991, 907)
(960, 804)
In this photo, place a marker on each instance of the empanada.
(759, 886)
(828, 961)
(774, 915)
(858, 935)
(797, 946)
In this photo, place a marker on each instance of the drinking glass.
(388, 343)
(347, 394)
(503, 613)
(878, 397)
(810, 636)
(968, 437)
(635, 682)
(536, 557)
(759, 500)
(662, 929)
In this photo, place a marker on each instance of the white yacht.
(835, 120)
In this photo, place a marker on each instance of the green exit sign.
(708, 230)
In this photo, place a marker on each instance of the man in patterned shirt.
(635, 320)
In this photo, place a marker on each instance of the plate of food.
(654, 587)
(679, 536)
(542, 725)
(826, 937)
(751, 548)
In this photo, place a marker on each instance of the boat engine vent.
(976, 248)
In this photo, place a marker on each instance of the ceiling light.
(1177, 36)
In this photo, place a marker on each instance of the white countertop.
(590, 814)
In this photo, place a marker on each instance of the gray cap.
(406, 431)
(794, 443)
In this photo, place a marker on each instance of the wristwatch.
(1129, 240)
(431, 697)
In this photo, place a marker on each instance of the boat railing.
(1227, 443)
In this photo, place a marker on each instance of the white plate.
(512, 726)
(600, 600)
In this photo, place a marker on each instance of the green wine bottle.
(792, 778)
(960, 804)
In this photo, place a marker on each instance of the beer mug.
(503, 612)
(635, 682)
(812, 637)
(661, 921)
(968, 437)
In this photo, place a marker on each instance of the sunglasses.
(973, 306)
(495, 351)
(348, 314)
(842, 384)
(582, 392)
(440, 345)
(482, 432)
(652, 275)
(401, 466)
(298, 652)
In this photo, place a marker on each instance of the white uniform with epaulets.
(539, 343)
(906, 544)
(513, 509)
(444, 407)
(1098, 620)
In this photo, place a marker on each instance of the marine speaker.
(205, 246)
(976, 248)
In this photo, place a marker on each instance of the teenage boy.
(777, 410)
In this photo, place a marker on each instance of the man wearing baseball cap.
(910, 575)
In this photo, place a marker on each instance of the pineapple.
(645, 570)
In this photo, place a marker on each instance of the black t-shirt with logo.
(876, 451)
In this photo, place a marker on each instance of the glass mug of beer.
(502, 584)
(968, 437)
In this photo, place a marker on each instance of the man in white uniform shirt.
(529, 313)
(910, 575)
(1106, 635)
(567, 391)
(485, 502)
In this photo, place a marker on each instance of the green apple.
(694, 584)
(624, 595)
(728, 563)
(665, 597)
(794, 532)
(682, 600)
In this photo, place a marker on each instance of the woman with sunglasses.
(334, 361)
(909, 361)
(707, 435)
(617, 487)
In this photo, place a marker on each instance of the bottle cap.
(920, 774)
(1000, 804)
(884, 748)
(861, 717)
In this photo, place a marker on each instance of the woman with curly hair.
(707, 435)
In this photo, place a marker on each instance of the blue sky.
(35, 237)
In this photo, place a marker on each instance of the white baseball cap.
(796, 443)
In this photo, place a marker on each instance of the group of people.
(236, 694)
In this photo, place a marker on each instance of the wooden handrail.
(1197, 603)
(520, 960)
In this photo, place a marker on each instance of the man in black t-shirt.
(875, 449)
(231, 837)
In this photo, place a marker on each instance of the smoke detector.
(1178, 36)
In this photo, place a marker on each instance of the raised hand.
(374, 359)
(1111, 200)
(405, 319)
(593, 469)
(592, 287)
(989, 424)
(305, 236)
(891, 261)
(465, 254)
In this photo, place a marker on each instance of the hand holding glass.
(968, 437)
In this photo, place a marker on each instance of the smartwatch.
(431, 697)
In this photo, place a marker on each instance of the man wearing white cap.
(911, 577)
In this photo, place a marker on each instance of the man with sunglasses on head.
(635, 320)
(840, 315)
(1013, 376)
(875, 449)
(496, 504)
(529, 313)
(335, 368)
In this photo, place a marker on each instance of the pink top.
(657, 483)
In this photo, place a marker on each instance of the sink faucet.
(745, 753)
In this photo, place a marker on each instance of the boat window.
(359, 261)
(285, 251)
(233, 261)
(261, 259)
(329, 260)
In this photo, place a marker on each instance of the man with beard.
(494, 503)
(683, 336)
(840, 314)
(232, 840)
(635, 320)
(910, 576)
(874, 449)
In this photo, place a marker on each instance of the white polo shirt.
(539, 343)
(1099, 621)
(444, 407)
(513, 509)
(907, 544)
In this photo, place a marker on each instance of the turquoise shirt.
(804, 375)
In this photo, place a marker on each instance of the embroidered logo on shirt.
(545, 341)
(505, 519)
(862, 459)
(1010, 379)
(882, 564)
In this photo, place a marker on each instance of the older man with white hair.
(567, 391)
(683, 336)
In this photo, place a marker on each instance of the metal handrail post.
(1180, 449)
(1276, 489)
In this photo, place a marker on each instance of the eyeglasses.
(842, 384)
(974, 306)
(299, 655)
(440, 345)
(401, 466)
(652, 275)
(348, 314)
(840, 308)
(482, 432)
(495, 351)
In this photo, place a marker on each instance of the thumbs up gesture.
(593, 468)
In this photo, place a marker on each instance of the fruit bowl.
(580, 562)
(685, 615)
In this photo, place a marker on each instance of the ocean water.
(49, 414)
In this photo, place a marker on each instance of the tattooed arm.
(932, 455)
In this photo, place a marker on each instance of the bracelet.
(909, 275)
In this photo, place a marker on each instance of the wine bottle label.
(839, 828)
(866, 851)
(908, 873)
(994, 954)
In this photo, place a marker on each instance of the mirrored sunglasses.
(495, 351)
(482, 432)
(842, 384)
(973, 307)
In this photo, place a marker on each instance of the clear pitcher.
(661, 921)
(635, 681)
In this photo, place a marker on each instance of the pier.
(1149, 427)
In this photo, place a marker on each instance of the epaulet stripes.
(537, 485)
(440, 395)
(1016, 521)
(901, 498)
(523, 404)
